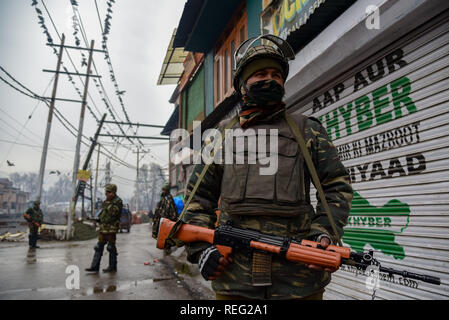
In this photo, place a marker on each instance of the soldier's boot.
(36, 236)
(95, 266)
(112, 258)
(30, 240)
(33, 240)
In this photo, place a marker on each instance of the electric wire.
(60, 118)
(110, 154)
(108, 57)
(73, 64)
(109, 106)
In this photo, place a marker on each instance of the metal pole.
(47, 131)
(78, 145)
(137, 183)
(89, 155)
(83, 213)
(96, 181)
(91, 180)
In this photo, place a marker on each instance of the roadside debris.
(19, 236)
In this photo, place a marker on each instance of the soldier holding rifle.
(277, 204)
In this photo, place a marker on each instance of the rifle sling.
(316, 181)
(308, 159)
(176, 227)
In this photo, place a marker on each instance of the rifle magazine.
(261, 268)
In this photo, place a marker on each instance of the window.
(224, 56)
(217, 81)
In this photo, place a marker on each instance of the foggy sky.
(137, 43)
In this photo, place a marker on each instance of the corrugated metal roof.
(172, 67)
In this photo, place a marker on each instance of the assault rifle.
(226, 238)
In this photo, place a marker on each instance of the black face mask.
(263, 94)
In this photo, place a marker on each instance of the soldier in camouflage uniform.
(276, 204)
(166, 208)
(35, 218)
(109, 220)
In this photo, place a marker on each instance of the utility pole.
(137, 182)
(80, 129)
(50, 117)
(80, 186)
(91, 192)
(78, 142)
(96, 181)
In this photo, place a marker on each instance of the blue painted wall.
(253, 9)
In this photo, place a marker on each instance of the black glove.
(208, 262)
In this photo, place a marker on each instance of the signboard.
(288, 15)
(83, 175)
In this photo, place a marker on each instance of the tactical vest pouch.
(249, 188)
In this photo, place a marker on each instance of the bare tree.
(151, 180)
(25, 182)
(60, 191)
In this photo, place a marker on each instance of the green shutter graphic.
(376, 226)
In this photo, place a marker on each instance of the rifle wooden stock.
(305, 252)
(188, 233)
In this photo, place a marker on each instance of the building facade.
(375, 73)
(209, 32)
(377, 78)
(12, 200)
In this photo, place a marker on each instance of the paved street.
(143, 271)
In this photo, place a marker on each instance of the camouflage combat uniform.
(35, 218)
(278, 205)
(110, 215)
(166, 208)
(109, 220)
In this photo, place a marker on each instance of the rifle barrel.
(412, 275)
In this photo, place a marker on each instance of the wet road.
(51, 272)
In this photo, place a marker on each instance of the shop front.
(383, 95)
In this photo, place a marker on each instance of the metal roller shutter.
(389, 120)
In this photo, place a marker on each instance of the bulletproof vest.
(245, 191)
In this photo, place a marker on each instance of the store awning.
(172, 67)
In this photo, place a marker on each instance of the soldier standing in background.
(109, 220)
(278, 204)
(166, 208)
(35, 218)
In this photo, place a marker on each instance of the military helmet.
(275, 52)
(166, 186)
(111, 187)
